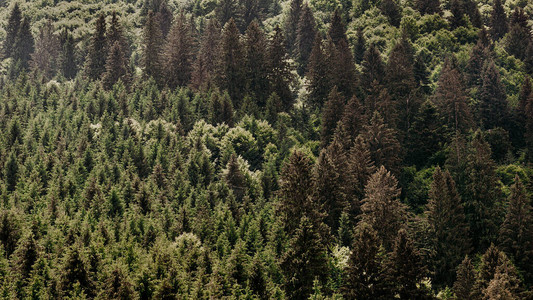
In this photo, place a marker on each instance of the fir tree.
(280, 73)
(343, 72)
(291, 23)
(337, 31)
(373, 67)
(466, 277)
(391, 10)
(381, 207)
(331, 116)
(116, 34)
(24, 44)
(528, 133)
(231, 75)
(12, 29)
(74, 272)
(360, 46)
(25, 256)
(366, 276)
(235, 178)
(116, 67)
(47, 49)
(352, 119)
(498, 21)
(478, 57)
(305, 35)
(118, 286)
(227, 10)
(153, 44)
(447, 221)
(318, 75)
(256, 65)
(519, 36)
(516, 232)
(164, 18)
(428, 7)
(359, 169)
(178, 53)
(492, 107)
(528, 59)
(68, 55)
(11, 172)
(457, 19)
(98, 49)
(206, 61)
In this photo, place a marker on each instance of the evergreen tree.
(12, 29)
(331, 116)
(519, 36)
(305, 261)
(384, 146)
(205, 63)
(116, 67)
(24, 44)
(117, 286)
(390, 9)
(231, 75)
(280, 73)
(98, 49)
(381, 207)
(226, 10)
(516, 232)
(360, 46)
(318, 75)
(116, 34)
(457, 19)
(478, 57)
(305, 35)
(25, 256)
(528, 59)
(373, 67)
(406, 269)
(466, 277)
(153, 45)
(428, 7)
(448, 226)
(67, 57)
(291, 23)
(450, 99)
(256, 63)
(221, 109)
(47, 49)
(178, 53)
(528, 133)
(11, 172)
(366, 271)
(235, 178)
(164, 18)
(492, 107)
(337, 31)
(352, 119)
(342, 70)
(498, 21)
(359, 169)
(75, 272)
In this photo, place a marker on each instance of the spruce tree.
(359, 169)
(448, 225)
(178, 53)
(493, 108)
(12, 29)
(366, 273)
(457, 18)
(360, 46)
(291, 23)
(117, 285)
(205, 64)
(318, 75)
(47, 49)
(352, 119)
(498, 21)
(116, 67)
(11, 172)
(373, 67)
(331, 116)
(519, 36)
(516, 232)
(255, 45)
(428, 7)
(98, 49)
(390, 9)
(231, 60)
(67, 58)
(466, 277)
(478, 57)
(450, 99)
(381, 208)
(528, 59)
(164, 18)
(305, 36)
(74, 271)
(226, 10)
(26, 255)
(528, 133)
(337, 30)
(153, 46)
(280, 72)
(342, 70)
(24, 44)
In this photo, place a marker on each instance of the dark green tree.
(231, 59)
(256, 65)
(98, 49)
(390, 9)
(305, 36)
(12, 29)
(318, 75)
(153, 46)
(67, 58)
(493, 107)
(373, 67)
(466, 277)
(331, 116)
(337, 29)
(206, 60)
(428, 7)
(178, 53)
(360, 46)
(24, 44)
(280, 72)
(291, 24)
(498, 21)
(116, 67)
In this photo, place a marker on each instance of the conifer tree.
(318, 75)
(305, 261)
(343, 72)
(226, 10)
(352, 119)
(359, 169)
(331, 116)
(428, 7)
(519, 35)
(383, 144)
(291, 24)
(74, 272)
(457, 18)
(206, 60)
(478, 57)
(24, 44)
(305, 35)
(116, 67)
(466, 277)
(256, 65)
(360, 46)
(25, 256)
(11, 172)
(116, 34)
(493, 107)
(366, 273)
(528, 133)
(451, 100)
(178, 53)
(391, 10)
(516, 232)
(12, 29)
(153, 45)
(373, 67)
(231, 75)
(406, 270)
(118, 286)
(47, 49)
(235, 178)
(498, 21)
(67, 58)
(164, 17)
(448, 225)
(337, 30)
(528, 59)
(98, 49)
(280, 73)
(221, 109)
(381, 208)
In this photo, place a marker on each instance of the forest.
(266, 149)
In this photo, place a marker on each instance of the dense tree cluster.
(266, 149)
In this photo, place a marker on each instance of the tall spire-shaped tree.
(178, 53)
(231, 75)
(331, 116)
(280, 74)
(153, 45)
(98, 49)
(24, 44)
(318, 75)
(428, 7)
(116, 67)
(306, 32)
(291, 23)
(255, 45)
(205, 64)
(12, 29)
(493, 107)
(498, 21)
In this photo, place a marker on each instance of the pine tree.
(331, 116)
(206, 61)
(528, 133)
(47, 49)
(67, 57)
(318, 75)
(466, 277)
(305, 36)
(478, 57)
(116, 34)
(98, 49)
(305, 260)
(24, 44)
(381, 207)
(516, 232)
(280, 72)
(153, 45)
(482, 195)
(384, 146)
(493, 108)
(352, 119)
(221, 109)
(391, 10)
(498, 21)
(116, 67)
(450, 99)
(291, 24)
(231, 75)
(406, 270)
(428, 7)
(178, 53)
(366, 271)
(12, 29)
(359, 169)
(360, 46)
(256, 63)
(447, 221)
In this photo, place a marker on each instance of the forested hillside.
(266, 149)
